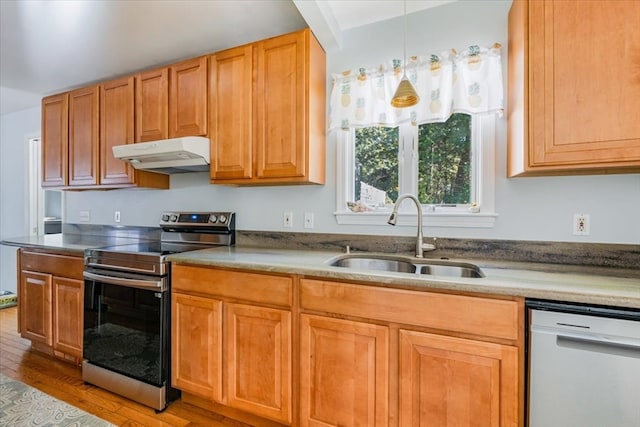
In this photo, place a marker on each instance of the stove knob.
(213, 218)
(222, 219)
(165, 218)
(173, 218)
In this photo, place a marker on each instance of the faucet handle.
(429, 246)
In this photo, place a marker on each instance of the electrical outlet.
(287, 219)
(308, 220)
(581, 224)
(85, 216)
(117, 216)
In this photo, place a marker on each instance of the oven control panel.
(198, 220)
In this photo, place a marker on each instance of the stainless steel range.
(127, 306)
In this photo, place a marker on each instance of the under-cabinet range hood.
(168, 156)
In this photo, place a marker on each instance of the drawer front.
(57, 265)
(457, 313)
(252, 287)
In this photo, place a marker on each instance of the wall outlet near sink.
(85, 216)
(287, 219)
(308, 220)
(581, 224)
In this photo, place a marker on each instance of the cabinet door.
(280, 107)
(83, 136)
(344, 374)
(231, 118)
(116, 128)
(152, 105)
(196, 348)
(55, 140)
(35, 307)
(447, 381)
(573, 109)
(188, 98)
(258, 360)
(68, 315)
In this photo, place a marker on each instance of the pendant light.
(405, 95)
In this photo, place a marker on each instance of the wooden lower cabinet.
(51, 303)
(196, 351)
(258, 355)
(68, 304)
(448, 381)
(344, 373)
(230, 346)
(35, 307)
(270, 350)
(408, 358)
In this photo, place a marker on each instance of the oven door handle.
(154, 285)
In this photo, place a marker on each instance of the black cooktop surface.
(155, 248)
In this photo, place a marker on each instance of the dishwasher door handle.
(600, 346)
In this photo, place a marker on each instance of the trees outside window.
(442, 159)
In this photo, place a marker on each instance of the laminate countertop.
(592, 285)
(571, 283)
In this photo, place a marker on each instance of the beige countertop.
(571, 283)
(593, 285)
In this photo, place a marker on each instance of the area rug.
(22, 405)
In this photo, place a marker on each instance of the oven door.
(126, 324)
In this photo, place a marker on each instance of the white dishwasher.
(584, 366)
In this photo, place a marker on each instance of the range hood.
(168, 156)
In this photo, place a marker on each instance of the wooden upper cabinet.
(280, 107)
(286, 124)
(574, 91)
(116, 128)
(290, 108)
(55, 140)
(152, 105)
(117, 112)
(231, 118)
(83, 136)
(188, 98)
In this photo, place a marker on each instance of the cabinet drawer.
(252, 287)
(456, 313)
(58, 265)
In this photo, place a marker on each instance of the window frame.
(483, 215)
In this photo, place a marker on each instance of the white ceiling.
(53, 45)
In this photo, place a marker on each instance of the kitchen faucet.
(393, 218)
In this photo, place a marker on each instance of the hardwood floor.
(64, 381)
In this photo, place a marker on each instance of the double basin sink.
(405, 264)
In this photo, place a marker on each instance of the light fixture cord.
(404, 73)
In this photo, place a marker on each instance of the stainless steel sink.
(400, 264)
(452, 269)
(374, 263)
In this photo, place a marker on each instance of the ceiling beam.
(322, 22)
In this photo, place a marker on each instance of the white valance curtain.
(468, 82)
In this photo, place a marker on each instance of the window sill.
(444, 219)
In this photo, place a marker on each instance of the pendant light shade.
(405, 95)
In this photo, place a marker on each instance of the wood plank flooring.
(64, 381)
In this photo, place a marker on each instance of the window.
(448, 166)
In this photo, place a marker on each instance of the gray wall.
(528, 208)
(15, 131)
